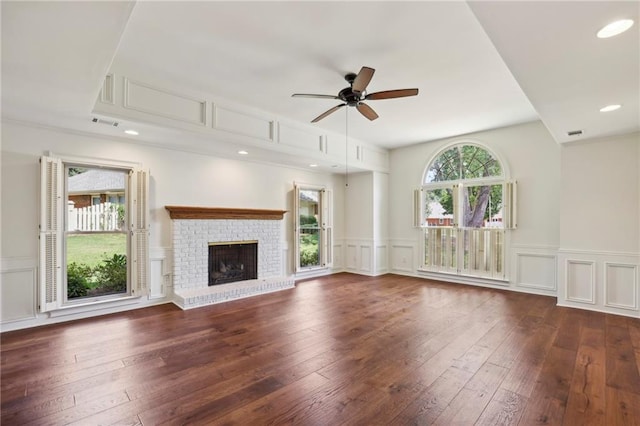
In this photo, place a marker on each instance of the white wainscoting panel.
(156, 287)
(402, 258)
(153, 100)
(581, 281)
(600, 281)
(366, 258)
(242, 123)
(381, 259)
(160, 272)
(338, 262)
(621, 285)
(18, 289)
(536, 271)
(352, 257)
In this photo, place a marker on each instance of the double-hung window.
(313, 227)
(93, 247)
(465, 207)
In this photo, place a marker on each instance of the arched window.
(465, 204)
(464, 185)
(463, 162)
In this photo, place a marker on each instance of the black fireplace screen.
(233, 261)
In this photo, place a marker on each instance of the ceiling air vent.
(103, 121)
(574, 133)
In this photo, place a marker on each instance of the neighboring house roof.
(437, 212)
(97, 181)
(306, 196)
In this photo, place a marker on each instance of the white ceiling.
(478, 65)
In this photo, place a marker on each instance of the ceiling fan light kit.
(355, 95)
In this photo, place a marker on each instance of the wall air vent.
(103, 121)
(574, 133)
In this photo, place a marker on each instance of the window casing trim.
(53, 224)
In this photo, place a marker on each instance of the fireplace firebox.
(232, 261)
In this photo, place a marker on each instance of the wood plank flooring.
(343, 349)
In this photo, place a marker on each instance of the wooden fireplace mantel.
(186, 212)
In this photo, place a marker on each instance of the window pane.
(482, 206)
(438, 209)
(96, 237)
(309, 247)
(309, 229)
(446, 167)
(463, 162)
(478, 163)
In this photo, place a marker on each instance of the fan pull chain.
(346, 147)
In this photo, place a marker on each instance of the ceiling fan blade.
(362, 80)
(367, 111)
(311, 95)
(390, 94)
(324, 114)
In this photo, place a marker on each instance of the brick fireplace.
(196, 229)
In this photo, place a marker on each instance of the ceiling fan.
(355, 94)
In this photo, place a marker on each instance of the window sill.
(92, 306)
(462, 279)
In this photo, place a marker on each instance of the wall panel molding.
(160, 285)
(296, 137)
(107, 93)
(381, 259)
(236, 121)
(536, 271)
(352, 257)
(612, 277)
(18, 288)
(164, 103)
(580, 281)
(621, 285)
(401, 257)
(366, 254)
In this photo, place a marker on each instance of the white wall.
(599, 194)
(599, 254)
(177, 178)
(530, 156)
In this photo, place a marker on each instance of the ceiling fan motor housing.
(349, 97)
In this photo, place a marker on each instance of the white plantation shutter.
(510, 200)
(327, 228)
(296, 227)
(418, 208)
(51, 233)
(139, 227)
(457, 214)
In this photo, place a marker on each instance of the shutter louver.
(327, 228)
(139, 184)
(418, 208)
(296, 227)
(51, 228)
(510, 201)
(456, 205)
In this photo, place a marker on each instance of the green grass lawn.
(91, 249)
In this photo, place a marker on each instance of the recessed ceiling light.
(132, 132)
(615, 28)
(610, 108)
(243, 152)
(313, 165)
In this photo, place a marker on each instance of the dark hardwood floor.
(344, 349)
